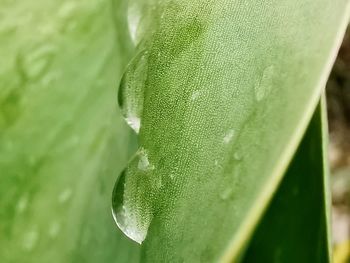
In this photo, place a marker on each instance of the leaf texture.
(220, 93)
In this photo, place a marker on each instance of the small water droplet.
(229, 135)
(237, 156)
(30, 240)
(131, 89)
(48, 29)
(22, 204)
(134, 123)
(172, 175)
(34, 64)
(216, 162)
(49, 79)
(54, 229)
(134, 16)
(226, 194)
(195, 95)
(67, 9)
(162, 15)
(263, 86)
(65, 195)
(75, 139)
(144, 164)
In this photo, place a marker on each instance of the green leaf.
(221, 93)
(295, 227)
(62, 142)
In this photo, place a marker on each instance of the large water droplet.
(127, 214)
(263, 86)
(131, 90)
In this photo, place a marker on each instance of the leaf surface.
(220, 93)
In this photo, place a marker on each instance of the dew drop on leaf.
(65, 195)
(144, 164)
(195, 95)
(134, 123)
(22, 204)
(263, 86)
(134, 17)
(67, 9)
(34, 64)
(226, 194)
(228, 136)
(30, 240)
(128, 217)
(237, 156)
(54, 229)
(131, 89)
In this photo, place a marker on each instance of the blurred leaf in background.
(338, 98)
(62, 140)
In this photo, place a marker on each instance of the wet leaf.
(220, 93)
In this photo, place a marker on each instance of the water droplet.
(263, 86)
(30, 240)
(216, 162)
(48, 29)
(195, 95)
(132, 220)
(22, 204)
(54, 229)
(75, 140)
(226, 194)
(65, 195)
(34, 64)
(229, 135)
(49, 79)
(144, 164)
(237, 156)
(67, 9)
(134, 16)
(130, 97)
(134, 123)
